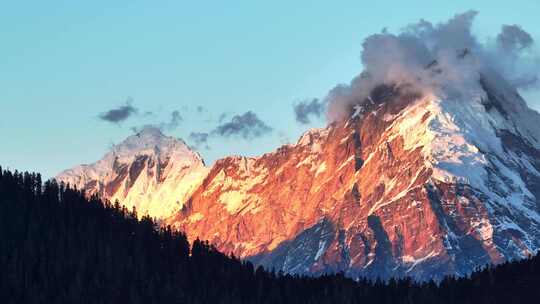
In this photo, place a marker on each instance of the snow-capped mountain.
(409, 185)
(148, 170)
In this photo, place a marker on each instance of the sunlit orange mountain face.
(407, 183)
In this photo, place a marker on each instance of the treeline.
(56, 246)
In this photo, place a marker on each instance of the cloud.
(515, 57)
(222, 117)
(119, 114)
(304, 110)
(513, 37)
(200, 139)
(526, 82)
(170, 125)
(247, 126)
(444, 59)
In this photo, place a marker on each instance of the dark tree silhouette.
(57, 246)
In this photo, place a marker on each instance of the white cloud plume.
(445, 59)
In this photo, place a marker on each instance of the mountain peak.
(150, 140)
(147, 170)
(150, 132)
(414, 184)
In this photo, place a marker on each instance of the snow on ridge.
(460, 141)
(312, 136)
(456, 137)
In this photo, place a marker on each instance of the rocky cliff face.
(148, 170)
(409, 185)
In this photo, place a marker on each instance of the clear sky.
(63, 63)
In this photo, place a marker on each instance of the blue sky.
(62, 63)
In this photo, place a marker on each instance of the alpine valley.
(407, 185)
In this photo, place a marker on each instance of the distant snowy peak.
(148, 170)
(151, 141)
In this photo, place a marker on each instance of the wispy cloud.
(305, 110)
(169, 125)
(199, 139)
(513, 37)
(173, 123)
(247, 126)
(119, 114)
